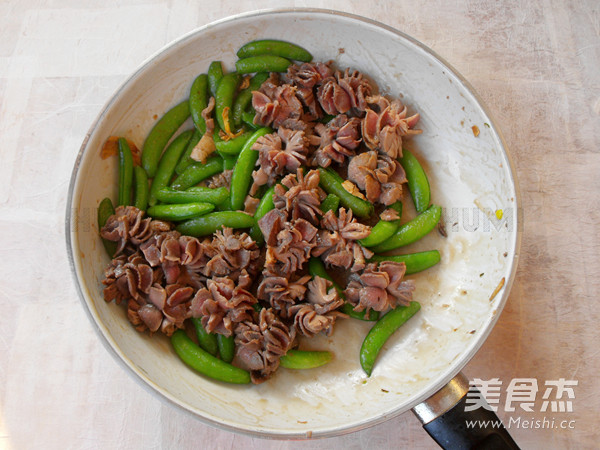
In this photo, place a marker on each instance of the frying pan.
(472, 178)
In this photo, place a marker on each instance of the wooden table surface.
(535, 63)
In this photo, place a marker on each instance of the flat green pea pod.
(330, 182)
(274, 47)
(418, 184)
(166, 166)
(198, 101)
(208, 341)
(226, 347)
(316, 268)
(125, 172)
(244, 98)
(415, 262)
(224, 100)
(196, 194)
(412, 231)
(382, 331)
(140, 200)
(197, 172)
(161, 133)
(242, 172)
(262, 63)
(233, 146)
(264, 206)
(215, 73)
(186, 159)
(205, 363)
(248, 119)
(208, 224)
(105, 210)
(179, 212)
(331, 203)
(303, 359)
(381, 232)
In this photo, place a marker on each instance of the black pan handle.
(444, 417)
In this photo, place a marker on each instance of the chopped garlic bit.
(353, 189)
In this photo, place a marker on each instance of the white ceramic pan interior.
(470, 176)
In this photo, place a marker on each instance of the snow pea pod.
(244, 98)
(185, 159)
(229, 161)
(274, 47)
(193, 195)
(262, 63)
(197, 172)
(248, 119)
(198, 101)
(331, 202)
(208, 341)
(166, 166)
(412, 231)
(232, 146)
(215, 73)
(316, 268)
(415, 262)
(381, 332)
(381, 232)
(125, 172)
(264, 206)
(141, 188)
(105, 210)
(224, 100)
(205, 363)
(331, 183)
(209, 223)
(242, 172)
(226, 347)
(161, 133)
(179, 212)
(418, 184)
(303, 359)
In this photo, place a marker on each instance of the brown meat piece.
(380, 287)
(336, 140)
(340, 94)
(300, 196)
(280, 292)
(380, 176)
(275, 104)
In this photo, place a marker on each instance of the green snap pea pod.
(244, 98)
(316, 268)
(381, 232)
(209, 223)
(224, 99)
(196, 194)
(125, 172)
(161, 133)
(205, 363)
(181, 211)
(105, 210)
(331, 183)
(229, 161)
(207, 341)
(415, 262)
(303, 359)
(186, 159)
(397, 206)
(264, 206)
(248, 119)
(274, 47)
(418, 185)
(331, 203)
(166, 166)
(262, 63)
(226, 347)
(382, 331)
(215, 73)
(199, 101)
(141, 188)
(232, 146)
(197, 172)
(412, 231)
(242, 172)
